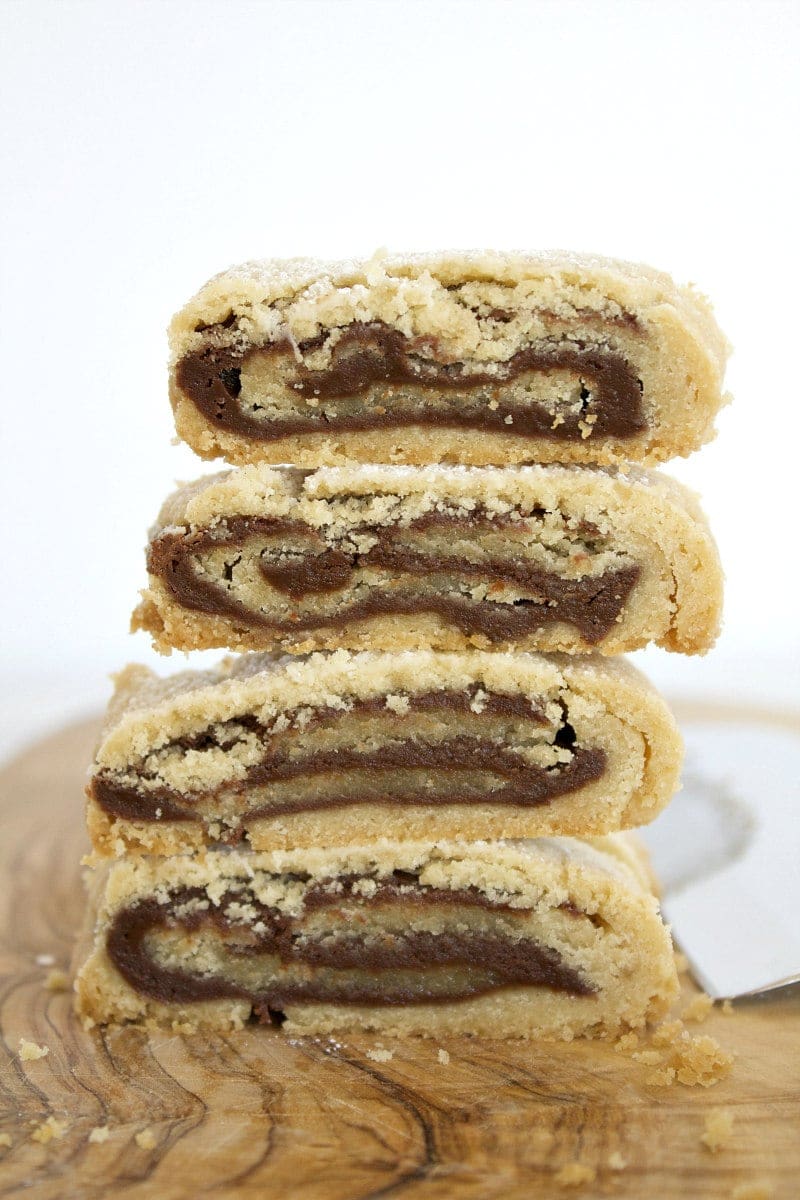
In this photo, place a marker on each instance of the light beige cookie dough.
(395, 558)
(547, 938)
(465, 357)
(338, 749)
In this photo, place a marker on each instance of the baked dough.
(396, 558)
(548, 938)
(477, 358)
(339, 749)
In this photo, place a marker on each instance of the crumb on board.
(575, 1174)
(650, 1058)
(57, 981)
(718, 1129)
(616, 1162)
(48, 1130)
(5, 1139)
(698, 1008)
(753, 1191)
(628, 1041)
(380, 1054)
(443, 1057)
(667, 1033)
(100, 1133)
(727, 1008)
(677, 1056)
(661, 1077)
(30, 1051)
(145, 1139)
(702, 1060)
(45, 960)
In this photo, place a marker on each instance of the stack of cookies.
(401, 807)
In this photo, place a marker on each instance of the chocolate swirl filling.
(463, 768)
(350, 959)
(592, 604)
(371, 358)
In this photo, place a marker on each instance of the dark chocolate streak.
(374, 353)
(496, 960)
(591, 604)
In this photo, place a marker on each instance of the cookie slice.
(478, 358)
(547, 938)
(392, 558)
(341, 749)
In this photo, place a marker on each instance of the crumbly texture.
(30, 1051)
(380, 1055)
(610, 931)
(698, 1008)
(718, 1129)
(57, 981)
(575, 1174)
(677, 1056)
(49, 1130)
(573, 523)
(192, 734)
(474, 310)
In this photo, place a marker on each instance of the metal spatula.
(727, 853)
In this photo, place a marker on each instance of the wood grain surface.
(257, 1115)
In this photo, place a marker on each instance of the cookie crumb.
(575, 1174)
(753, 1191)
(698, 1008)
(444, 1057)
(30, 1051)
(100, 1133)
(380, 1055)
(727, 1008)
(662, 1077)
(49, 1129)
(145, 1139)
(5, 1139)
(702, 1060)
(681, 1057)
(398, 704)
(650, 1058)
(616, 1162)
(628, 1041)
(667, 1033)
(57, 981)
(718, 1129)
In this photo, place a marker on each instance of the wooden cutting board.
(256, 1115)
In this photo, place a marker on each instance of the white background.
(147, 145)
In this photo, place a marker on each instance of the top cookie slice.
(478, 358)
